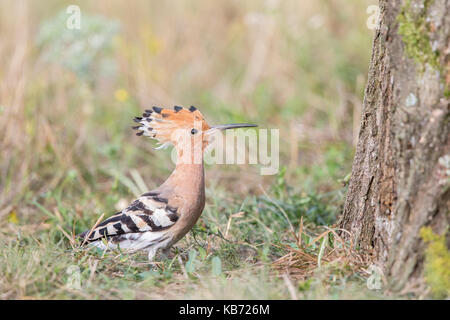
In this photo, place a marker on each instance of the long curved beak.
(232, 126)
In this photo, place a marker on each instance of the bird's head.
(186, 129)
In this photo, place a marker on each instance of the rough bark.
(400, 179)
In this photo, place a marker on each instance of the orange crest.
(169, 126)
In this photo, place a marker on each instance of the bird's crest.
(165, 125)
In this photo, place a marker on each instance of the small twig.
(194, 235)
(219, 234)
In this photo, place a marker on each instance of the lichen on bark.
(414, 29)
(437, 263)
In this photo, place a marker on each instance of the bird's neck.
(187, 178)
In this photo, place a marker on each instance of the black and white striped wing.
(149, 212)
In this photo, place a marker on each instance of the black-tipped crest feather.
(157, 109)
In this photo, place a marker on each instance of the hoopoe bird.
(161, 217)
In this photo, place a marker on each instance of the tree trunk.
(400, 175)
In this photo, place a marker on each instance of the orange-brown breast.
(185, 190)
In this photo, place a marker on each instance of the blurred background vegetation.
(68, 154)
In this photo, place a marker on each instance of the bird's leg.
(151, 254)
(166, 252)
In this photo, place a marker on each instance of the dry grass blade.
(234, 215)
(290, 286)
(71, 239)
(322, 250)
(281, 210)
(92, 229)
(182, 267)
(303, 261)
(300, 231)
(318, 238)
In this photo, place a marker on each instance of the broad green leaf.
(190, 265)
(216, 266)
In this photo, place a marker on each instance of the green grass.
(225, 254)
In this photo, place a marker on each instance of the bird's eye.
(193, 131)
